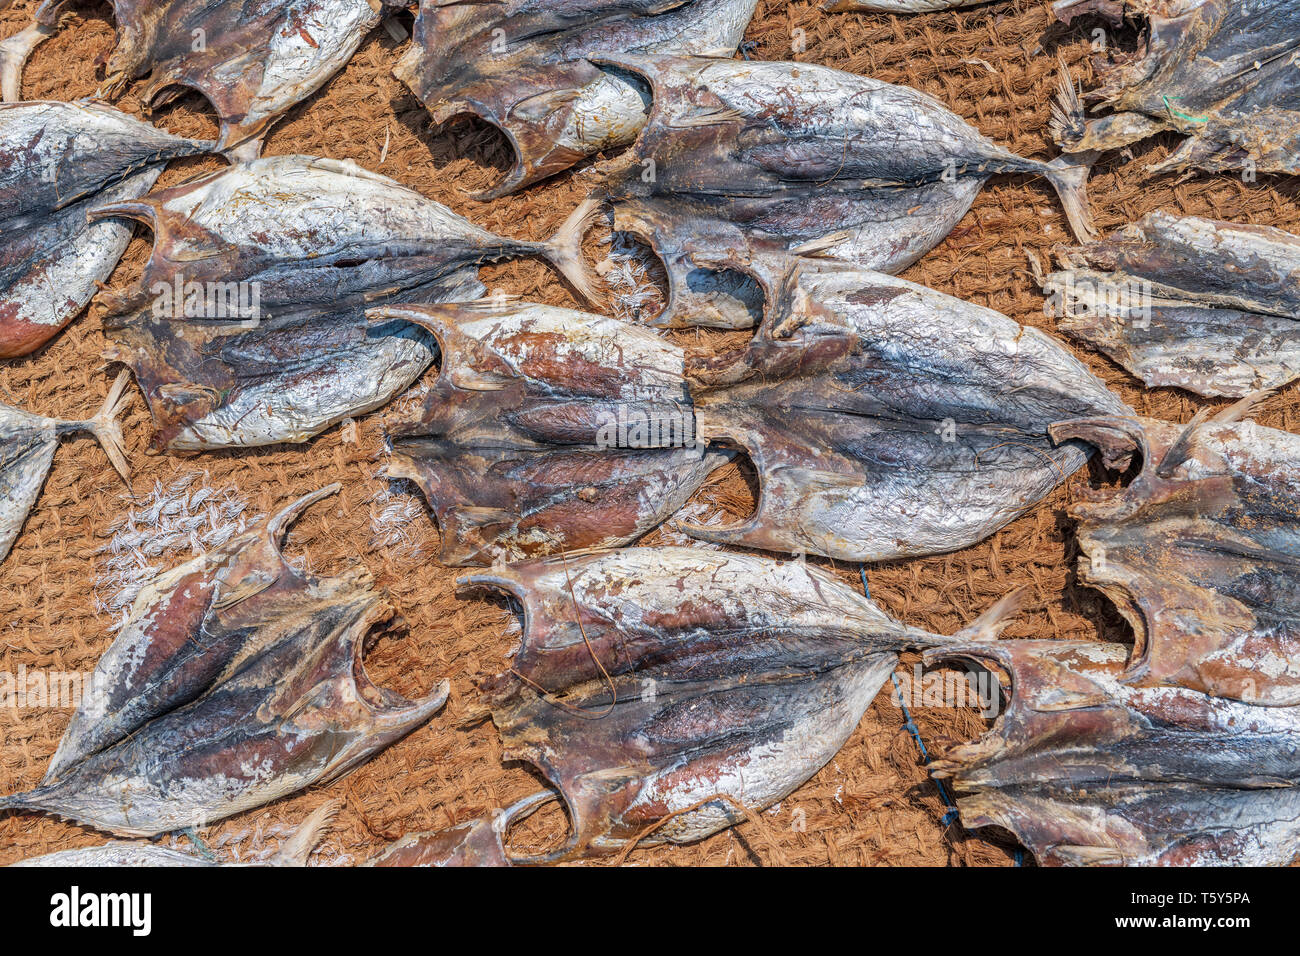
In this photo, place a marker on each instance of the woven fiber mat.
(90, 539)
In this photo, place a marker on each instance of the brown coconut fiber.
(995, 65)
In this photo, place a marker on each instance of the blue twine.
(950, 814)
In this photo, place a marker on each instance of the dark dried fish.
(1200, 552)
(56, 161)
(1087, 768)
(297, 712)
(1220, 72)
(295, 851)
(241, 598)
(886, 419)
(27, 444)
(748, 157)
(522, 66)
(253, 61)
(1208, 306)
(247, 327)
(659, 685)
(518, 445)
(1185, 751)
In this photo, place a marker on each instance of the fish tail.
(988, 625)
(296, 849)
(1069, 177)
(1068, 124)
(106, 428)
(564, 249)
(13, 57)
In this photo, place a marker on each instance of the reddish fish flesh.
(547, 430)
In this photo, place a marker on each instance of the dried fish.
(747, 157)
(253, 61)
(522, 66)
(247, 327)
(1186, 749)
(1086, 768)
(56, 161)
(295, 851)
(27, 444)
(547, 430)
(673, 687)
(292, 708)
(886, 419)
(1199, 552)
(242, 598)
(478, 842)
(1220, 72)
(1208, 306)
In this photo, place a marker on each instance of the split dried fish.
(27, 444)
(1220, 72)
(56, 161)
(672, 687)
(747, 157)
(1199, 552)
(885, 419)
(295, 851)
(1184, 750)
(247, 327)
(253, 61)
(1207, 306)
(242, 598)
(1086, 768)
(522, 66)
(547, 430)
(291, 706)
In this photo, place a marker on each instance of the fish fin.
(564, 249)
(1088, 855)
(1068, 175)
(106, 428)
(1068, 124)
(295, 850)
(989, 625)
(1246, 406)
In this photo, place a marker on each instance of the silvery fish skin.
(1208, 306)
(1088, 768)
(56, 161)
(649, 680)
(299, 713)
(314, 241)
(1220, 72)
(27, 445)
(752, 157)
(1199, 551)
(241, 598)
(522, 66)
(885, 419)
(252, 61)
(516, 445)
(293, 852)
